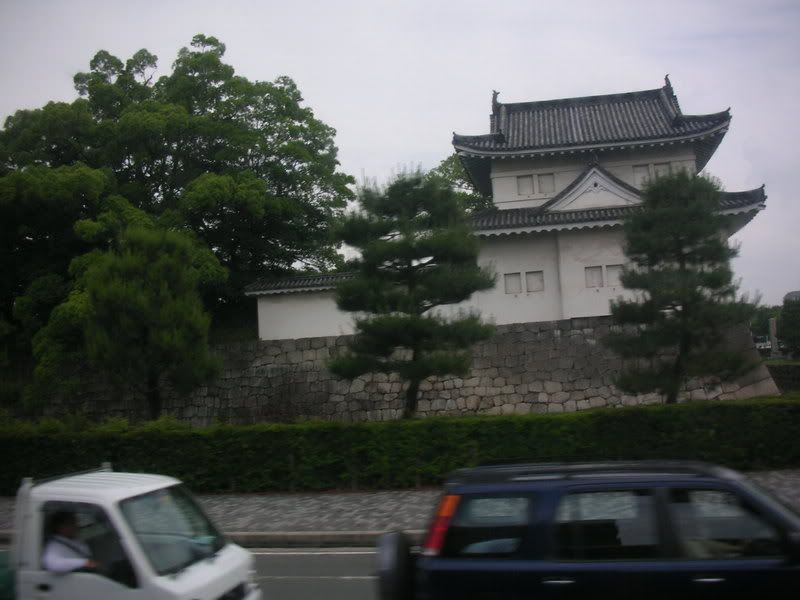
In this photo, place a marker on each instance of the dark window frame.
(657, 508)
(748, 502)
(522, 550)
(50, 507)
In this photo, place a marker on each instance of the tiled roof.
(590, 122)
(299, 283)
(734, 200)
(528, 218)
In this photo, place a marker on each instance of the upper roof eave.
(721, 128)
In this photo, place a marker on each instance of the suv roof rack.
(552, 470)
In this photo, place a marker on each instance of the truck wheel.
(395, 567)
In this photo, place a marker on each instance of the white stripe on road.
(311, 552)
(313, 577)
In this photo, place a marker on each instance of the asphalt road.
(324, 573)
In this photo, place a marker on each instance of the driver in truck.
(64, 552)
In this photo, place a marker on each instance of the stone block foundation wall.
(531, 367)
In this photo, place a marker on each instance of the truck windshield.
(171, 529)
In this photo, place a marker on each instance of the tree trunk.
(411, 399)
(153, 396)
(678, 370)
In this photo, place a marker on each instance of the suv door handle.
(558, 581)
(708, 579)
(43, 587)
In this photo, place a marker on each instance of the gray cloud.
(396, 78)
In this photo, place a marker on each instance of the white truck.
(147, 534)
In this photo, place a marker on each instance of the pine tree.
(418, 253)
(684, 298)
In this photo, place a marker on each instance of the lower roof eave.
(748, 212)
(741, 217)
(549, 228)
(274, 292)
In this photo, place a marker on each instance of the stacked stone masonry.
(548, 367)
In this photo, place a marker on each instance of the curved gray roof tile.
(524, 218)
(648, 115)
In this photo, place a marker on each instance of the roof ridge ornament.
(672, 100)
(495, 103)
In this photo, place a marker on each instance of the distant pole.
(773, 337)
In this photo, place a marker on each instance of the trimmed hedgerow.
(752, 434)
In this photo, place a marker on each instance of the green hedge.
(753, 434)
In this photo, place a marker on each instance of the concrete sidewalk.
(349, 518)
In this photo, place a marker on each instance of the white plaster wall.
(561, 256)
(300, 315)
(620, 163)
(517, 254)
(588, 248)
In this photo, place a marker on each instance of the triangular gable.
(595, 188)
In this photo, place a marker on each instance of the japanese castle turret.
(562, 175)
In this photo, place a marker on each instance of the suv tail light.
(441, 522)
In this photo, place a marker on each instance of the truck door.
(114, 579)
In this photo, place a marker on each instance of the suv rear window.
(490, 525)
(714, 524)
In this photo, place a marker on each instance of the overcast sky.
(397, 78)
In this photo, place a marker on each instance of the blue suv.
(632, 530)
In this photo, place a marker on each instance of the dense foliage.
(237, 167)
(450, 172)
(789, 327)
(752, 434)
(684, 300)
(759, 323)
(417, 254)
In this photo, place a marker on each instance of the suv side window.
(714, 524)
(607, 525)
(488, 526)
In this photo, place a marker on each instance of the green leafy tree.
(135, 312)
(450, 172)
(789, 326)
(417, 253)
(240, 166)
(684, 298)
(238, 161)
(146, 319)
(38, 208)
(759, 324)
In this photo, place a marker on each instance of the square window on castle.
(525, 185)
(534, 281)
(661, 169)
(613, 275)
(594, 277)
(547, 183)
(641, 175)
(513, 283)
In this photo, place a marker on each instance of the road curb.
(292, 539)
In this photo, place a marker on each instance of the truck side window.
(97, 532)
